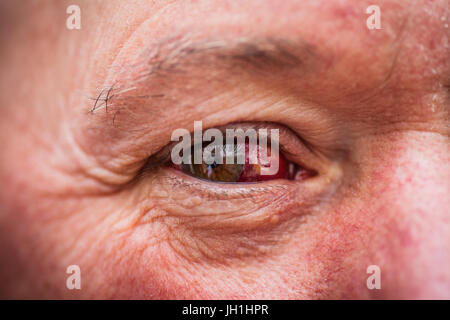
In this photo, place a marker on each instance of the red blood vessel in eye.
(251, 172)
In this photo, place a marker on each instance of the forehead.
(357, 63)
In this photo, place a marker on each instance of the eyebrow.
(253, 56)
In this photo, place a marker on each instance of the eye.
(249, 171)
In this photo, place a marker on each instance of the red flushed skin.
(251, 172)
(374, 103)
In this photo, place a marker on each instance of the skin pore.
(84, 111)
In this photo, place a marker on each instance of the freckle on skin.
(248, 278)
(262, 249)
(161, 193)
(158, 192)
(274, 219)
(191, 202)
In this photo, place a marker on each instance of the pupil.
(213, 165)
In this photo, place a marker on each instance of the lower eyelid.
(229, 221)
(233, 206)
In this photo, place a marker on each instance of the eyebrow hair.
(252, 55)
(260, 53)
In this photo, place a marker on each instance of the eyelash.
(242, 173)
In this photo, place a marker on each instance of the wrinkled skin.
(372, 105)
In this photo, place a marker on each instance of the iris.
(246, 172)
